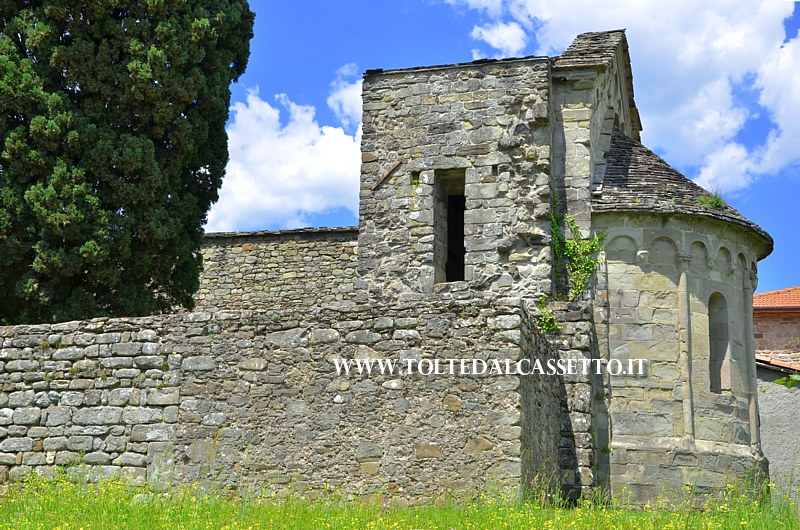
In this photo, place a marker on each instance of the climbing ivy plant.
(546, 321)
(581, 257)
(576, 255)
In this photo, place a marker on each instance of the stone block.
(477, 445)
(80, 443)
(97, 416)
(130, 459)
(406, 334)
(21, 365)
(425, 450)
(34, 459)
(114, 444)
(288, 339)
(119, 397)
(253, 364)
(97, 457)
(116, 362)
(362, 337)
(126, 349)
(16, 445)
(153, 433)
(72, 399)
(481, 191)
(67, 458)
(324, 336)
(27, 415)
(642, 423)
(504, 322)
(197, 364)
(166, 396)
(369, 451)
(452, 402)
(21, 399)
(141, 415)
(216, 419)
(54, 443)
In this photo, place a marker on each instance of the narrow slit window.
(719, 366)
(448, 226)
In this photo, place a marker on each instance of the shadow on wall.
(780, 428)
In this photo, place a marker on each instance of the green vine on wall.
(546, 321)
(577, 256)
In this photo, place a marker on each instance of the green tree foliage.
(112, 130)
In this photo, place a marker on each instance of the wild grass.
(63, 504)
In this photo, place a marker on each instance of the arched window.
(719, 366)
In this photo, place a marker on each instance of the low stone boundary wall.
(252, 400)
(269, 270)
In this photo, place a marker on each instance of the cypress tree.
(113, 148)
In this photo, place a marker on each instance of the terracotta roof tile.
(782, 360)
(782, 298)
(636, 179)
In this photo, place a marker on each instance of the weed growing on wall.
(576, 256)
(712, 200)
(546, 321)
(580, 255)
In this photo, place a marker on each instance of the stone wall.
(252, 400)
(778, 408)
(774, 330)
(584, 429)
(268, 270)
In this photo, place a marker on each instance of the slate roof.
(638, 180)
(788, 298)
(591, 49)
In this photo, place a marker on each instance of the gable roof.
(788, 298)
(638, 180)
(591, 49)
(597, 50)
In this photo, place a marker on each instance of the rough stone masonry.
(464, 169)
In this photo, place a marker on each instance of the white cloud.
(280, 173)
(688, 59)
(477, 54)
(697, 124)
(509, 38)
(345, 100)
(492, 7)
(727, 169)
(779, 81)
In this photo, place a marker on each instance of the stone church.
(468, 173)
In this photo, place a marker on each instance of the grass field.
(63, 504)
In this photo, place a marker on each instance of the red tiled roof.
(789, 298)
(782, 360)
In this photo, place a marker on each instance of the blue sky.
(717, 85)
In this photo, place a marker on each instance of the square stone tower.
(455, 181)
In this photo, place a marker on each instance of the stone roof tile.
(636, 179)
(591, 49)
